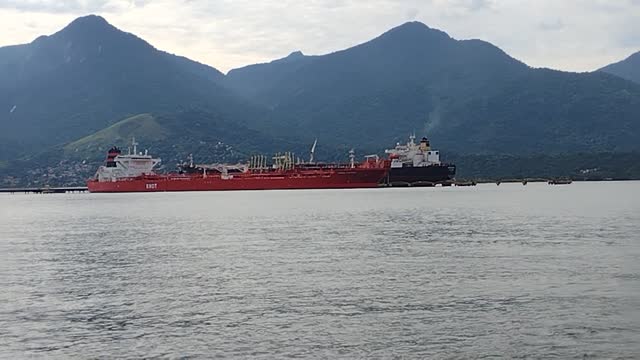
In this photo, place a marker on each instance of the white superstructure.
(413, 155)
(133, 164)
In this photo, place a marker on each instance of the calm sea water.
(532, 271)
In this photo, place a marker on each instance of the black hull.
(426, 174)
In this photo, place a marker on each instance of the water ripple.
(485, 272)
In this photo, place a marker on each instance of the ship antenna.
(313, 150)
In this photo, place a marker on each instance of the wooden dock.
(45, 190)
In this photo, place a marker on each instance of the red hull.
(294, 179)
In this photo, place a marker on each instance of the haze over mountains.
(72, 89)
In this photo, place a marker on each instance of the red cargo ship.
(134, 172)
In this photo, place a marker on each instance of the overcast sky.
(574, 35)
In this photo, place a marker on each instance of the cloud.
(552, 25)
(476, 5)
(412, 13)
(69, 6)
(462, 7)
(570, 34)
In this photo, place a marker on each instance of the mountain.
(468, 95)
(90, 74)
(628, 68)
(253, 80)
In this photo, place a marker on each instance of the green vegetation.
(207, 137)
(90, 75)
(468, 95)
(585, 166)
(143, 126)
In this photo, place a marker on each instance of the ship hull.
(425, 174)
(337, 179)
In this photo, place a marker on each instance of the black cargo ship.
(417, 164)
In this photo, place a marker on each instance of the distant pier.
(472, 182)
(45, 190)
(445, 183)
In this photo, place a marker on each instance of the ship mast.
(352, 158)
(135, 145)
